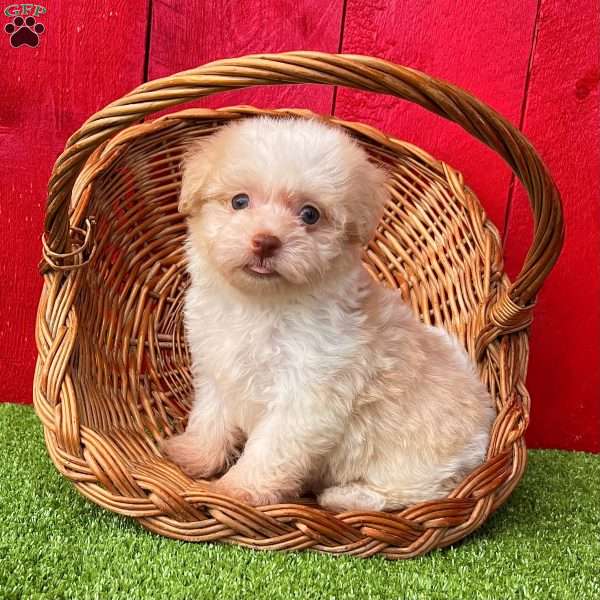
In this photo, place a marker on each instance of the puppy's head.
(277, 202)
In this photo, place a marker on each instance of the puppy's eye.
(240, 201)
(309, 214)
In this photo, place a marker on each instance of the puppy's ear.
(196, 167)
(370, 197)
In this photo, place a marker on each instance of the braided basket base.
(113, 377)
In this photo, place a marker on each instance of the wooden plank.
(482, 47)
(562, 119)
(185, 35)
(87, 56)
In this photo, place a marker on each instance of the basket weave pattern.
(112, 377)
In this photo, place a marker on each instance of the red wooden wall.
(536, 61)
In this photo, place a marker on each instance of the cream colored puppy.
(324, 378)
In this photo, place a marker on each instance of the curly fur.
(326, 379)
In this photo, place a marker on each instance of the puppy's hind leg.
(354, 496)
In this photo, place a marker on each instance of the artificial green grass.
(544, 543)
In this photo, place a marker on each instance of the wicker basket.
(112, 375)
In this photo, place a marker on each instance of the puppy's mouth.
(261, 271)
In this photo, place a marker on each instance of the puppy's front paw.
(186, 452)
(227, 486)
(353, 496)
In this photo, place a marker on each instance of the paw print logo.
(24, 32)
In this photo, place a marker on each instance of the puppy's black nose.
(265, 245)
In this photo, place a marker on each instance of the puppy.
(324, 378)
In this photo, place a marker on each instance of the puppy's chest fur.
(268, 354)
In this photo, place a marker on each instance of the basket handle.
(510, 312)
